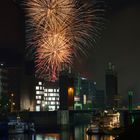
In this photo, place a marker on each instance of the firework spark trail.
(59, 30)
(56, 50)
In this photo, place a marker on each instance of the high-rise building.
(9, 87)
(27, 86)
(85, 92)
(111, 85)
(67, 89)
(3, 86)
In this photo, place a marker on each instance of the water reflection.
(97, 137)
(22, 137)
(77, 133)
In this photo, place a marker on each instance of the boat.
(17, 127)
(106, 123)
(94, 129)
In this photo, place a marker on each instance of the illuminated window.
(50, 90)
(45, 90)
(57, 90)
(37, 87)
(51, 108)
(40, 88)
(53, 98)
(39, 97)
(37, 108)
(38, 101)
(49, 98)
(52, 103)
(51, 94)
(84, 99)
(54, 90)
(39, 83)
(45, 94)
(37, 92)
(57, 107)
(46, 103)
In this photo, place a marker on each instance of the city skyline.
(119, 43)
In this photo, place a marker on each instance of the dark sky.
(119, 43)
(11, 32)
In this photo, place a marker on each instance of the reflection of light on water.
(77, 133)
(100, 137)
(48, 136)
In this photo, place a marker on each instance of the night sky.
(119, 43)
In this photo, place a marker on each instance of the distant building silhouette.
(3, 86)
(111, 85)
(67, 89)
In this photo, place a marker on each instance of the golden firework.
(59, 29)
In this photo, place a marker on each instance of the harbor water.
(75, 133)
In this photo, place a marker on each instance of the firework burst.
(59, 30)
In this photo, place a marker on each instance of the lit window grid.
(53, 98)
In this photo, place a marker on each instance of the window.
(38, 97)
(50, 90)
(37, 108)
(51, 94)
(51, 108)
(37, 87)
(38, 101)
(39, 83)
(52, 103)
(37, 92)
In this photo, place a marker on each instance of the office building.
(111, 85)
(47, 96)
(3, 86)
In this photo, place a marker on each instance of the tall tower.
(66, 84)
(111, 84)
(3, 87)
